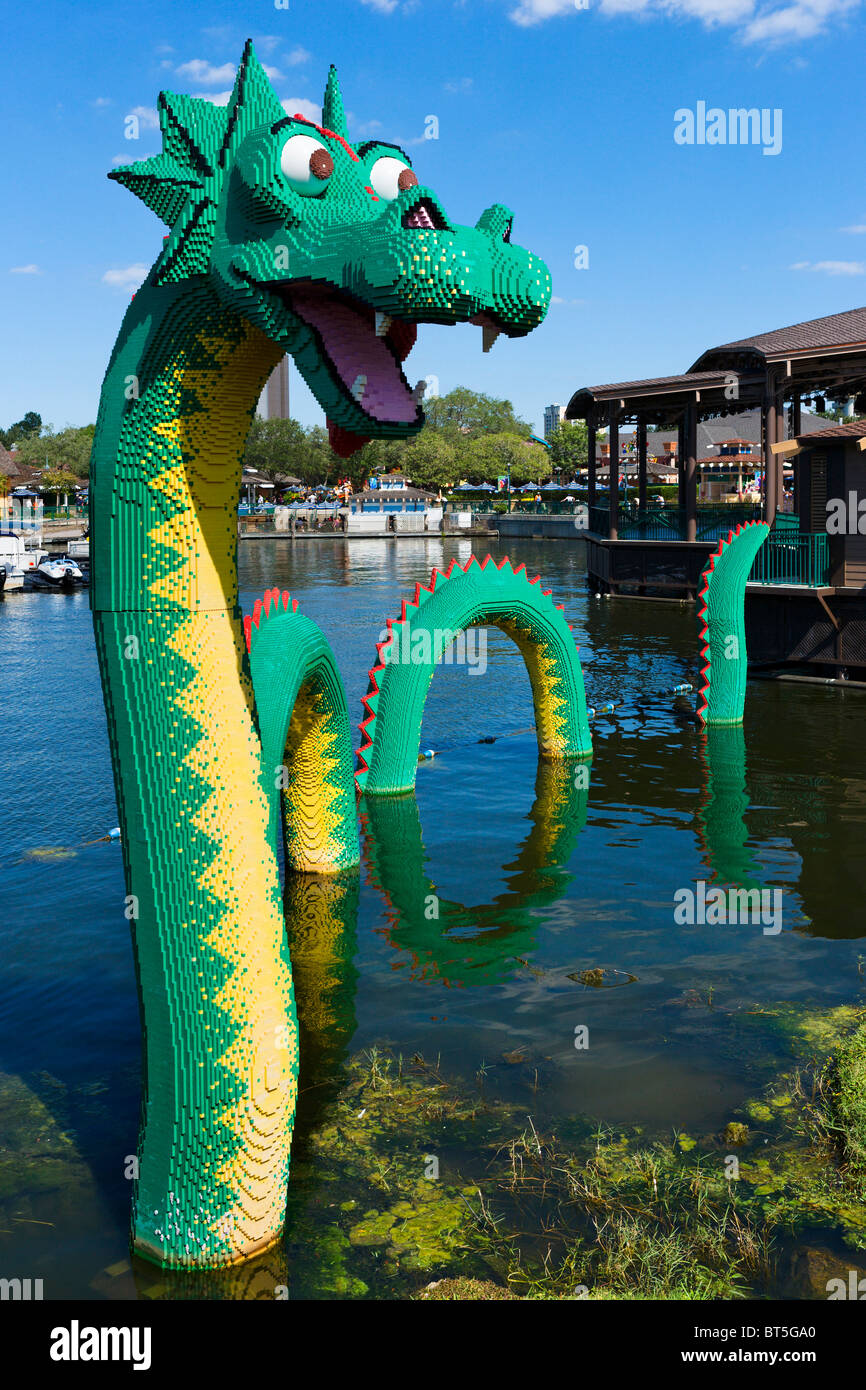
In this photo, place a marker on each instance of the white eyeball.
(307, 165)
(389, 177)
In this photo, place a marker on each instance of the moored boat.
(60, 572)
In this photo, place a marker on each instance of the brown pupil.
(407, 180)
(321, 164)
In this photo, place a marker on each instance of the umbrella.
(485, 487)
(552, 487)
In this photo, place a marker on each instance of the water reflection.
(321, 918)
(464, 945)
(721, 816)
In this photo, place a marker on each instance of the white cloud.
(298, 55)
(130, 158)
(197, 70)
(218, 98)
(833, 267)
(383, 6)
(101, 101)
(536, 11)
(129, 278)
(710, 12)
(463, 84)
(25, 269)
(265, 43)
(769, 23)
(148, 118)
(801, 20)
(299, 106)
(857, 230)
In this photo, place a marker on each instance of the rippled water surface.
(537, 881)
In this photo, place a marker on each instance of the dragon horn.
(333, 112)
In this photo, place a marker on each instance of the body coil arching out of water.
(283, 237)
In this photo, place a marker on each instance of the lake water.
(537, 883)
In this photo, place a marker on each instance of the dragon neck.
(202, 878)
(176, 406)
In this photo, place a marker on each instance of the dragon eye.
(306, 164)
(389, 177)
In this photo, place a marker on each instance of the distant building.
(553, 418)
(722, 434)
(274, 400)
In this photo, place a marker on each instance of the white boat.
(17, 560)
(59, 571)
(14, 550)
(10, 579)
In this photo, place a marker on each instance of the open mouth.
(363, 348)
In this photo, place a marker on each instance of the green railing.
(71, 513)
(520, 507)
(789, 556)
(669, 523)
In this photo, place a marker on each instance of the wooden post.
(768, 411)
(613, 498)
(681, 453)
(796, 431)
(641, 463)
(590, 457)
(690, 471)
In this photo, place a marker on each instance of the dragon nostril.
(424, 215)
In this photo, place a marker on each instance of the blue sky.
(566, 114)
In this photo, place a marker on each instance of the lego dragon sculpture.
(284, 237)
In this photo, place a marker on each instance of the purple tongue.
(356, 353)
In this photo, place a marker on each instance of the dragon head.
(335, 251)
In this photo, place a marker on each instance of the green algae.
(805, 1032)
(49, 854)
(432, 1178)
(735, 1133)
(451, 1290)
(849, 1097)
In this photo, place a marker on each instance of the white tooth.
(359, 387)
(488, 337)
(383, 323)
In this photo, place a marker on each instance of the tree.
(491, 456)
(59, 481)
(276, 448)
(29, 425)
(431, 461)
(465, 412)
(568, 447)
(68, 449)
